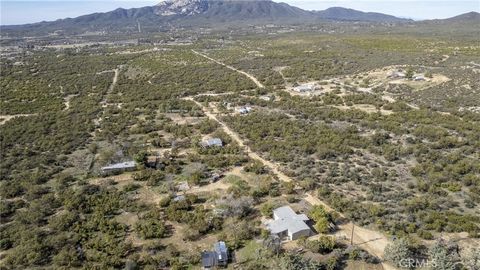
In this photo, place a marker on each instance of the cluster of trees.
(283, 139)
(150, 176)
(83, 233)
(438, 151)
(322, 219)
(407, 254)
(324, 244)
(151, 225)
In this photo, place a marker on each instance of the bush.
(425, 234)
(150, 228)
(131, 187)
(322, 219)
(267, 209)
(324, 244)
(399, 251)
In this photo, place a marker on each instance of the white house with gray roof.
(212, 142)
(119, 167)
(287, 223)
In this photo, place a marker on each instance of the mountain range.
(208, 13)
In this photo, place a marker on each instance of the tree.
(409, 73)
(399, 252)
(150, 228)
(68, 256)
(322, 225)
(273, 243)
(443, 256)
(141, 157)
(322, 219)
(471, 259)
(240, 207)
(267, 209)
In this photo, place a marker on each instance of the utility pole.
(351, 238)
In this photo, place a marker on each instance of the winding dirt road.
(104, 103)
(240, 142)
(257, 82)
(372, 241)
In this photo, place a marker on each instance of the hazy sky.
(21, 11)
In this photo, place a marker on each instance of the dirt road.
(112, 86)
(258, 83)
(240, 142)
(372, 241)
(104, 103)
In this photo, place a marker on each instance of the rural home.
(304, 88)
(217, 257)
(212, 142)
(119, 167)
(244, 110)
(287, 223)
(396, 75)
(419, 78)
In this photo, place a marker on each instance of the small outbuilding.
(119, 167)
(287, 223)
(208, 260)
(304, 88)
(244, 110)
(213, 142)
(217, 257)
(396, 75)
(221, 251)
(419, 78)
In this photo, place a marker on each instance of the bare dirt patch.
(183, 120)
(365, 108)
(4, 118)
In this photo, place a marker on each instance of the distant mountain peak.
(347, 14)
(202, 13)
(181, 7)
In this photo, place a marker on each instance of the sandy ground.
(368, 108)
(220, 185)
(258, 83)
(67, 101)
(280, 71)
(366, 82)
(104, 103)
(4, 118)
(183, 120)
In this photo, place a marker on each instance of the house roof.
(179, 198)
(286, 212)
(122, 165)
(245, 109)
(212, 142)
(287, 220)
(208, 258)
(304, 87)
(221, 250)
